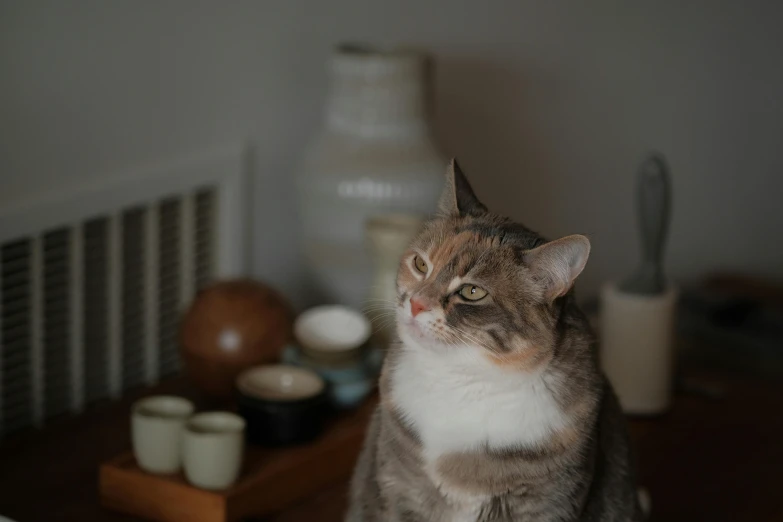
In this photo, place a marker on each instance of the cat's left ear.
(556, 265)
(458, 198)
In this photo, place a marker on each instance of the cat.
(492, 406)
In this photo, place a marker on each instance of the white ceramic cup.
(212, 449)
(156, 432)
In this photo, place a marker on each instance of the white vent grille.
(170, 285)
(17, 338)
(55, 312)
(94, 320)
(91, 293)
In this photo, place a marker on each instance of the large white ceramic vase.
(374, 155)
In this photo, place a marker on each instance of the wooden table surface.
(706, 460)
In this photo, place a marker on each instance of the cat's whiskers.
(503, 358)
(467, 335)
(471, 338)
(371, 309)
(383, 323)
(378, 309)
(377, 299)
(373, 298)
(379, 303)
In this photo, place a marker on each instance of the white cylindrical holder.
(637, 345)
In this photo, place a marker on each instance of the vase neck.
(378, 94)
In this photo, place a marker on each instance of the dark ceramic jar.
(282, 405)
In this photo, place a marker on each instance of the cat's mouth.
(409, 327)
(417, 333)
(413, 326)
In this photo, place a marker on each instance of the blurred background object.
(283, 405)
(735, 323)
(638, 312)
(334, 341)
(654, 207)
(375, 154)
(231, 326)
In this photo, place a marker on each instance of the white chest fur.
(458, 400)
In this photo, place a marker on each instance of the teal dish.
(349, 384)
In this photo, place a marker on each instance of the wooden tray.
(271, 479)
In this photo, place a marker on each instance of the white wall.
(549, 105)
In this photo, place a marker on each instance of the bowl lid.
(332, 328)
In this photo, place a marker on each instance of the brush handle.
(654, 205)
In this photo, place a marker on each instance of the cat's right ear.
(458, 198)
(556, 265)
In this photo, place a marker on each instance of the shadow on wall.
(518, 129)
(486, 116)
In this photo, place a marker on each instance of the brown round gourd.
(230, 326)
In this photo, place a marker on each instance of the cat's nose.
(417, 307)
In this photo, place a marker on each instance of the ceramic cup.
(212, 449)
(282, 404)
(156, 432)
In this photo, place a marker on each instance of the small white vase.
(374, 155)
(388, 237)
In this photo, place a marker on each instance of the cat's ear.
(556, 265)
(458, 198)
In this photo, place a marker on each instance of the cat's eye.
(420, 265)
(472, 292)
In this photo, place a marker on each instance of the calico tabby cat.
(492, 404)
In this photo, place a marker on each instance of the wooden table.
(706, 460)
